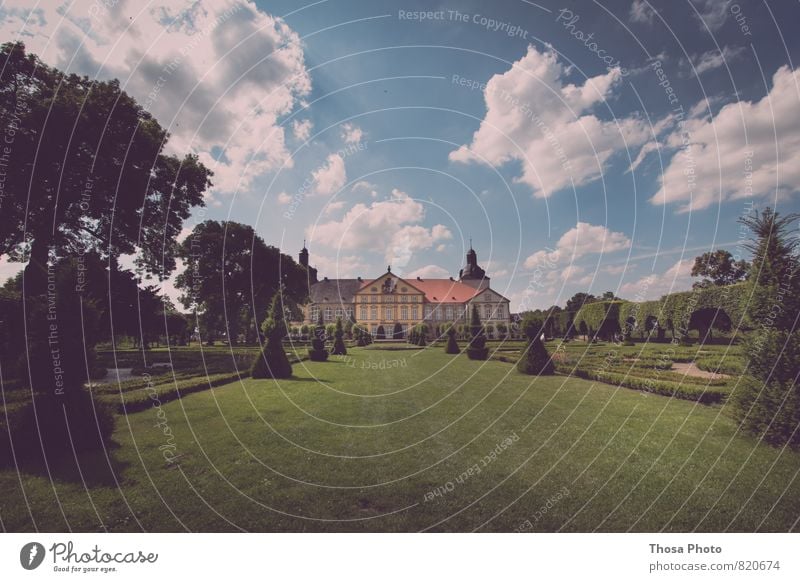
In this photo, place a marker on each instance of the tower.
(472, 274)
(312, 272)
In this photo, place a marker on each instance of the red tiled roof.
(438, 290)
(444, 290)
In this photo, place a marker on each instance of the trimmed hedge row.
(141, 399)
(702, 394)
(730, 365)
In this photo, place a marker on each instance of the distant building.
(389, 300)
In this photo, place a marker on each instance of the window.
(314, 313)
(338, 312)
(438, 312)
(363, 313)
(373, 298)
(328, 314)
(373, 312)
(500, 312)
(415, 313)
(487, 311)
(363, 299)
(349, 312)
(404, 312)
(389, 313)
(449, 312)
(428, 311)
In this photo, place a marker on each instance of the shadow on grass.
(92, 468)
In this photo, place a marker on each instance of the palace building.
(390, 302)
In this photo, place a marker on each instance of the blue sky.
(381, 138)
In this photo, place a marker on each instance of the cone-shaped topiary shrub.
(535, 360)
(317, 352)
(452, 344)
(477, 350)
(273, 363)
(339, 349)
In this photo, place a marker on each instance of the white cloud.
(714, 59)
(340, 266)
(388, 226)
(351, 133)
(677, 278)
(217, 75)
(641, 12)
(366, 187)
(584, 239)
(284, 198)
(8, 269)
(429, 272)
(331, 176)
(534, 116)
(332, 207)
(712, 13)
(719, 165)
(302, 129)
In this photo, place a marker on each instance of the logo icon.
(31, 555)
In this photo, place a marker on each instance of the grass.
(348, 445)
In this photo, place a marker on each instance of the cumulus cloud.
(351, 133)
(536, 117)
(677, 278)
(389, 226)
(284, 198)
(712, 13)
(218, 75)
(584, 239)
(331, 176)
(713, 59)
(302, 129)
(749, 149)
(9, 269)
(340, 266)
(641, 12)
(364, 186)
(429, 272)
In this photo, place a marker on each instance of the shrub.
(380, 333)
(339, 348)
(535, 360)
(273, 362)
(317, 352)
(55, 425)
(730, 365)
(452, 344)
(477, 350)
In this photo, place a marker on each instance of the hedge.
(682, 390)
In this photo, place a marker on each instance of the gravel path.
(691, 369)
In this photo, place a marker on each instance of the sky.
(577, 146)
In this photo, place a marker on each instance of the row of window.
(390, 298)
(439, 313)
(331, 314)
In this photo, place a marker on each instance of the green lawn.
(360, 444)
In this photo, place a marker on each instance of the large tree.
(230, 277)
(767, 401)
(718, 268)
(84, 172)
(577, 301)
